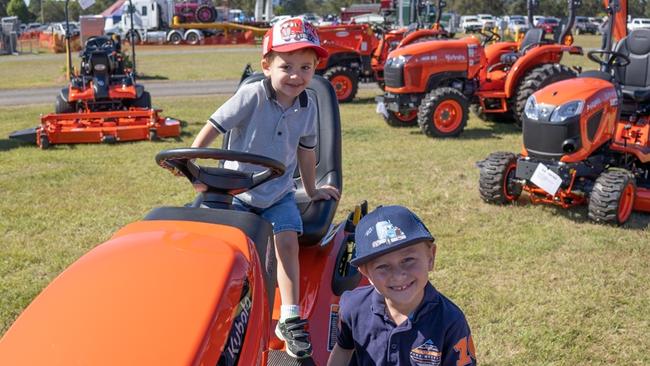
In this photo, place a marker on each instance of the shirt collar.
(430, 299)
(270, 93)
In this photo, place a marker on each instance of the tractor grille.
(394, 76)
(543, 139)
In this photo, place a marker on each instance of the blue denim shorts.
(283, 215)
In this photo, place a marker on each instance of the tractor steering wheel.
(489, 36)
(608, 59)
(219, 180)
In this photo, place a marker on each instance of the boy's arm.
(307, 166)
(459, 349)
(340, 356)
(205, 137)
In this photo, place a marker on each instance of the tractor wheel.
(136, 37)
(612, 197)
(344, 81)
(205, 14)
(443, 113)
(175, 38)
(535, 80)
(153, 135)
(397, 119)
(61, 106)
(495, 184)
(144, 101)
(44, 142)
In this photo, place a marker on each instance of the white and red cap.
(290, 35)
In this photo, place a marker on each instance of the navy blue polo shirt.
(436, 334)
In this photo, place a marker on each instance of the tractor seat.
(533, 36)
(317, 216)
(635, 77)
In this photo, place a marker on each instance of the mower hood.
(157, 291)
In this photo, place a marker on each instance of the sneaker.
(295, 336)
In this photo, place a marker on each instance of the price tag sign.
(546, 179)
(381, 109)
(85, 4)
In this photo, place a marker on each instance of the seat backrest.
(533, 36)
(317, 216)
(636, 46)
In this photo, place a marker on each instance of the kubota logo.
(235, 340)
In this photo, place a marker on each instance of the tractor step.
(493, 102)
(281, 358)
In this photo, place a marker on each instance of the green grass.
(539, 285)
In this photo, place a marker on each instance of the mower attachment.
(109, 127)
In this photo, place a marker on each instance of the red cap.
(290, 35)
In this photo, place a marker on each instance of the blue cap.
(386, 229)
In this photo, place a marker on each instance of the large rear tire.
(536, 79)
(344, 81)
(205, 14)
(612, 197)
(496, 180)
(443, 113)
(397, 119)
(61, 106)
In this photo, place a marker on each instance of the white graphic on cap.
(387, 233)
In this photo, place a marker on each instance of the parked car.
(470, 24)
(487, 20)
(368, 19)
(638, 23)
(583, 25)
(548, 24)
(517, 25)
(536, 19)
(598, 22)
(59, 28)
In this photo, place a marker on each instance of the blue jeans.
(283, 215)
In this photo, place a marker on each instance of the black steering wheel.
(489, 36)
(99, 42)
(608, 59)
(219, 180)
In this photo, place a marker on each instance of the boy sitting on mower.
(396, 252)
(276, 118)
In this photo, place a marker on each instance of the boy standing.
(400, 319)
(277, 119)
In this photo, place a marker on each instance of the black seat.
(100, 67)
(635, 77)
(533, 36)
(317, 216)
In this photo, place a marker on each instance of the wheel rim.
(510, 172)
(406, 117)
(625, 204)
(342, 86)
(448, 116)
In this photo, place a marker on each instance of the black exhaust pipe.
(573, 6)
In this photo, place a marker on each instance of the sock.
(289, 311)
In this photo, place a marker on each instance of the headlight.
(536, 111)
(567, 110)
(399, 61)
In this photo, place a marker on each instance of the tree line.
(53, 10)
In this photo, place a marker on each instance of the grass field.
(539, 285)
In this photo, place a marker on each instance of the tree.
(19, 9)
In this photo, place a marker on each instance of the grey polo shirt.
(258, 124)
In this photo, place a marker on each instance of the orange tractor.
(357, 52)
(585, 139)
(102, 102)
(432, 84)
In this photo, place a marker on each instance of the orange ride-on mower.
(585, 139)
(196, 285)
(102, 103)
(432, 84)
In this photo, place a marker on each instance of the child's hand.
(326, 192)
(199, 187)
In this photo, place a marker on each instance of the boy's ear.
(266, 66)
(433, 257)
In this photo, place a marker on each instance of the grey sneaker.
(295, 336)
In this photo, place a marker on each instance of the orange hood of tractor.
(158, 292)
(584, 89)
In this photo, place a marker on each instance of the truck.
(155, 21)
